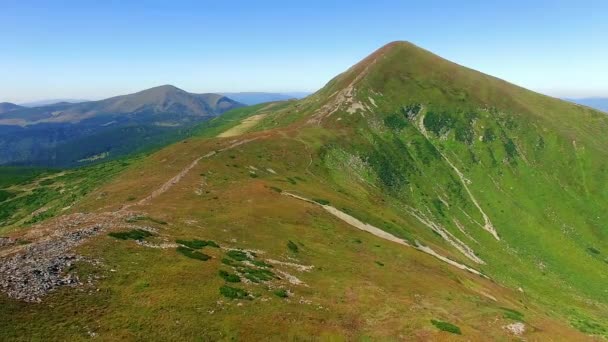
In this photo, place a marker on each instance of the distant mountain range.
(66, 134)
(50, 102)
(6, 107)
(600, 103)
(252, 98)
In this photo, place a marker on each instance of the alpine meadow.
(410, 198)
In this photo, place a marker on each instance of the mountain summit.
(410, 198)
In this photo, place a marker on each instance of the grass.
(192, 254)
(234, 293)
(21, 192)
(146, 218)
(445, 326)
(134, 234)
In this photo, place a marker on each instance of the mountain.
(6, 107)
(411, 198)
(41, 103)
(252, 98)
(68, 134)
(598, 103)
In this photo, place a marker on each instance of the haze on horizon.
(93, 51)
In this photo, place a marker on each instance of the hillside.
(6, 107)
(68, 134)
(409, 199)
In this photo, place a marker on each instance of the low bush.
(192, 254)
(261, 264)
(238, 255)
(256, 275)
(445, 326)
(197, 244)
(135, 234)
(229, 277)
(513, 314)
(281, 293)
(321, 201)
(234, 293)
(292, 246)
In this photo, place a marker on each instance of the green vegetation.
(260, 263)
(197, 244)
(21, 193)
(321, 201)
(256, 275)
(192, 254)
(445, 326)
(134, 234)
(281, 293)
(229, 277)
(238, 255)
(234, 293)
(513, 314)
(292, 246)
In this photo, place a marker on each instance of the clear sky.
(83, 49)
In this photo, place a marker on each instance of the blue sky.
(83, 49)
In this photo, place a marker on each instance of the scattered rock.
(516, 329)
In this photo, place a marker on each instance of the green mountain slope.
(410, 198)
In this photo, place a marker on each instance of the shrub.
(238, 255)
(445, 326)
(256, 275)
(261, 264)
(135, 234)
(321, 201)
(292, 246)
(379, 263)
(229, 277)
(513, 314)
(192, 254)
(281, 293)
(395, 122)
(234, 293)
(197, 244)
(230, 262)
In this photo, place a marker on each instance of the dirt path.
(382, 234)
(175, 179)
(243, 127)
